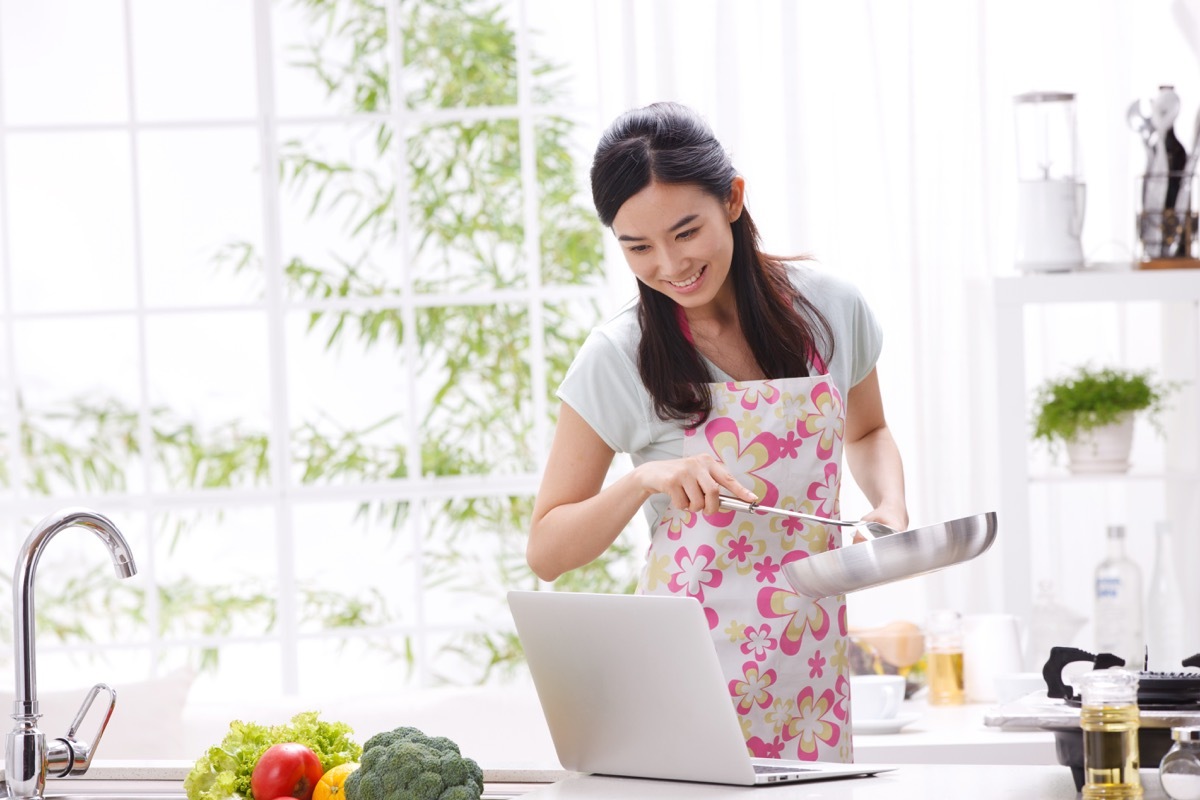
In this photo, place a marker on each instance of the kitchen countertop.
(907, 782)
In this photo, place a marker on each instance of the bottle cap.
(1108, 687)
(1186, 733)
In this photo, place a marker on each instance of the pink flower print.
(840, 660)
(695, 572)
(828, 422)
(790, 529)
(760, 749)
(766, 570)
(738, 550)
(710, 614)
(810, 724)
(789, 446)
(674, 520)
(656, 572)
(843, 628)
(801, 614)
(753, 688)
(841, 689)
(825, 493)
(743, 460)
(758, 642)
(816, 665)
(753, 392)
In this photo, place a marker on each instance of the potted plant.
(1091, 411)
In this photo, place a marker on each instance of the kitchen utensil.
(904, 554)
(870, 530)
(1050, 197)
(1156, 192)
(875, 696)
(1139, 121)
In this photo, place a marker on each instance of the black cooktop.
(1156, 690)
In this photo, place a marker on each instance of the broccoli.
(405, 764)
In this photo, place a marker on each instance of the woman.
(735, 374)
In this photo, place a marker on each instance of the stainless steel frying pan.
(885, 558)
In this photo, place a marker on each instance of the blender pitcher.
(1050, 196)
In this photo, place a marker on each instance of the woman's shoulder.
(823, 286)
(621, 331)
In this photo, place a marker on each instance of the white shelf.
(1178, 292)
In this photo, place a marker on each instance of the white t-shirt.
(603, 385)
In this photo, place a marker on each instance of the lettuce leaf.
(223, 772)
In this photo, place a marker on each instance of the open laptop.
(631, 686)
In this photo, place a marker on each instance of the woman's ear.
(737, 196)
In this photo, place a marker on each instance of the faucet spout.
(26, 751)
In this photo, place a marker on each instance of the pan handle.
(733, 504)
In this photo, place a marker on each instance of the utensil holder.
(1167, 220)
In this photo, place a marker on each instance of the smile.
(686, 283)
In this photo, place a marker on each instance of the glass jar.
(1179, 770)
(944, 658)
(1109, 717)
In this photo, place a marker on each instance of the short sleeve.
(603, 386)
(867, 337)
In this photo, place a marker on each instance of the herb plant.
(1089, 398)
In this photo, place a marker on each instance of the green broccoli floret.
(405, 764)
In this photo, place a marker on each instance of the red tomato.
(285, 770)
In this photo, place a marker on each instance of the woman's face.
(677, 240)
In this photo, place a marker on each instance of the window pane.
(177, 75)
(210, 398)
(70, 221)
(571, 235)
(79, 393)
(459, 55)
(201, 216)
(48, 48)
(348, 396)
(474, 385)
(217, 572)
(566, 324)
(465, 206)
(338, 221)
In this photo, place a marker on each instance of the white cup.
(991, 647)
(875, 696)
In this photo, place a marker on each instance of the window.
(287, 288)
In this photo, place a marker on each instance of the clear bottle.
(1164, 607)
(1119, 603)
(944, 658)
(1179, 770)
(1109, 717)
(1051, 624)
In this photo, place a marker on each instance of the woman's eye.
(688, 234)
(639, 248)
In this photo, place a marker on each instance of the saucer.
(893, 725)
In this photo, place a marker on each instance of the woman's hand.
(894, 516)
(694, 483)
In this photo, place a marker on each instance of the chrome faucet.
(27, 758)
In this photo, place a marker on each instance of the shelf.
(1099, 286)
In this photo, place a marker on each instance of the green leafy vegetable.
(223, 772)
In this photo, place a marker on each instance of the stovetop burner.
(1156, 690)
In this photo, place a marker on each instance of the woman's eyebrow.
(685, 221)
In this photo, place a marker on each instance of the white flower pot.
(1103, 449)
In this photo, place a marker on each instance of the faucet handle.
(72, 756)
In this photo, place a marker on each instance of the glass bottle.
(944, 658)
(1164, 607)
(1109, 718)
(1179, 770)
(1119, 603)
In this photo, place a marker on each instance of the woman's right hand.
(695, 483)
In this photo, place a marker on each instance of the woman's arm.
(872, 455)
(575, 521)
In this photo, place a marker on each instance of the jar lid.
(1187, 733)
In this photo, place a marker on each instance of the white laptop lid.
(631, 685)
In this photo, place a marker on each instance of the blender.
(1050, 196)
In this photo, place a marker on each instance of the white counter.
(908, 782)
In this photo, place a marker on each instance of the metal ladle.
(870, 530)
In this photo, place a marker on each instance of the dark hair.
(670, 143)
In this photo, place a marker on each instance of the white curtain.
(878, 136)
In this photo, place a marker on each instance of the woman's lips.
(691, 283)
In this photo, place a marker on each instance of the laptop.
(631, 686)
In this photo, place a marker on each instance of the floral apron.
(785, 656)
